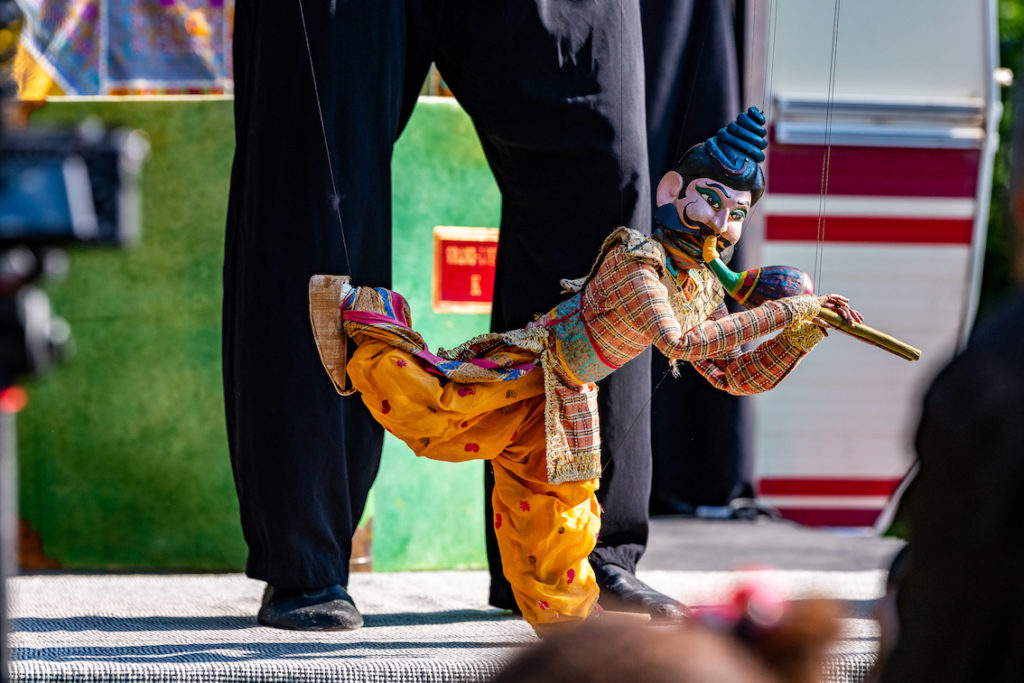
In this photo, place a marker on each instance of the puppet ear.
(669, 187)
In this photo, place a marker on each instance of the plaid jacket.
(631, 301)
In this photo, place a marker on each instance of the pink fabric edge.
(432, 359)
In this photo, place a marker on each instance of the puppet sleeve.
(763, 368)
(722, 333)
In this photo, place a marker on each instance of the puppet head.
(712, 188)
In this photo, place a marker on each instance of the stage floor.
(420, 626)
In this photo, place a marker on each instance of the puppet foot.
(324, 609)
(621, 591)
(325, 295)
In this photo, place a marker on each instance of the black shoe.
(501, 596)
(322, 609)
(621, 591)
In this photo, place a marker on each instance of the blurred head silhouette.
(791, 648)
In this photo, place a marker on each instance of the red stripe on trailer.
(878, 171)
(831, 516)
(887, 230)
(827, 487)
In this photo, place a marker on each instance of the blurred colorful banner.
(128, 47)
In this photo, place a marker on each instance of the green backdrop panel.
(429, 514)
(123, 456)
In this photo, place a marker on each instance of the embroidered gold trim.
(803, 334)
(801, 308)
(533, 339)
(708, 297)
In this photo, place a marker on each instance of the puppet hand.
(841, 305)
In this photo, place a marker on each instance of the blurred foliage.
(123, 455)
(998, 277)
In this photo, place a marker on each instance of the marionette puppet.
(526, 399)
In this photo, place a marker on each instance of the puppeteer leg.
(304, 460)
(565, 138)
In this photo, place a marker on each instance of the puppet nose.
(720, 220)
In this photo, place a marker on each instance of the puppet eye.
(711, 197)
(738, 215)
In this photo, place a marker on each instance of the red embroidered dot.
(570, 575)
(472, 447)
(497, 521)
(524, 506)
(465, 424)
(544, 604)
(466, 391)
(385, 407)
(401, 363)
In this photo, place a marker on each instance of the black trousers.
(693, 85)
(555, 90)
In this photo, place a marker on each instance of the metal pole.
(8, 526)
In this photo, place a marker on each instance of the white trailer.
(884, 125)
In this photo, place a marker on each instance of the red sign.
(464, 262)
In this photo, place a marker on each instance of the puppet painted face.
(703, 207)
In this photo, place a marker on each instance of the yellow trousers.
(545, 531)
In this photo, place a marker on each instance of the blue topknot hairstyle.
(732, 156)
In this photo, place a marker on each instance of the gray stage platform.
(420, 626)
